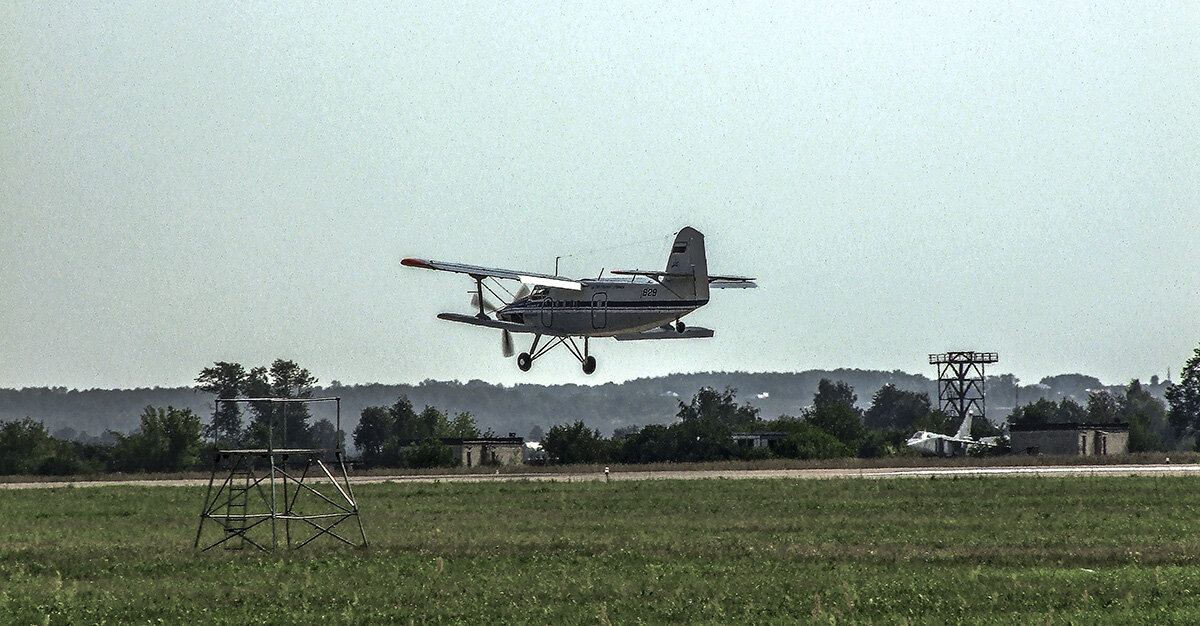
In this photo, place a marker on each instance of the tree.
(1045, 411)
(809, 442)
(289, 380)
(430, 452)
(574, 443)
(1038, 412)
(702, 440)
(1147, 418)
(1103, 407)
(937, 421)
(431, 423)
(833, 411)
(1069, 412)
(895, 408)
(168, 441)
(722, 407)
(1184, 398)
(225, 380)
(622, 433)
(375, 427)
(325, 435)
(27, 448)
(385, 434)
(258, 385)
(463, 426)
(287, 420)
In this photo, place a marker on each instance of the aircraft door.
(547, 312)
(600, 310)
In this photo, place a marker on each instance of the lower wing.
(666, 332)
(511, 327)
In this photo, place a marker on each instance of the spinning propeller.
(481, 303)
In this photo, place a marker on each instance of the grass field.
(977, 550)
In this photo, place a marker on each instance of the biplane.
(630, 305)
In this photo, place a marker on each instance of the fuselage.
(602, 308)
(937, 444)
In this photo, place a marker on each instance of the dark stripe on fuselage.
(587, 305)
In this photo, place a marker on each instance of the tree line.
(398, 436)
(168, 440)
(171, 439)
(832, 426)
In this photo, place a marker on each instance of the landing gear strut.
(525, 359)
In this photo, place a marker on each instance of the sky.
(190, 182)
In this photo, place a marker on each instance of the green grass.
(976, 550)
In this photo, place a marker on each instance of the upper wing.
(476, 271)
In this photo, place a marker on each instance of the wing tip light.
(416, 263)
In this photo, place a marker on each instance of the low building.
(1072, 439)
(758, 440)
(488, 450)
(476, 451)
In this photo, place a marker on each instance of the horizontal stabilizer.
(691, 332)
(488, 322)
(725, 283)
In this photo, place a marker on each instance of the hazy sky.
(202, 181)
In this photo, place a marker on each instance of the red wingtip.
(414, 263)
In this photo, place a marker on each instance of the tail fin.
(687, 257)
(964, 429)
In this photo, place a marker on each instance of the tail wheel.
(524, 361)
(680, 327)
(589, 365)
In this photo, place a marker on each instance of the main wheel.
(524, 361)
(589, 365)
(679, 327)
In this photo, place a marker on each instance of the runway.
(730, 474)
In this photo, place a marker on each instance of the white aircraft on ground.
(646, 305)
(937, 444)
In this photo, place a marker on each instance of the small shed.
(1071, 438)
(488, 450)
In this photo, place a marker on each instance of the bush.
(812, 442)
(430, 453)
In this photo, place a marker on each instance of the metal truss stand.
(961, 383)
(269, 492)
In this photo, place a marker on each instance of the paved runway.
(808, 474)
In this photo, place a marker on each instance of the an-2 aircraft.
(637, 305)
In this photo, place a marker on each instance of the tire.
(680, 327)
(589, 365)
(524, 362)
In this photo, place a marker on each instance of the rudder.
(687, 268)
